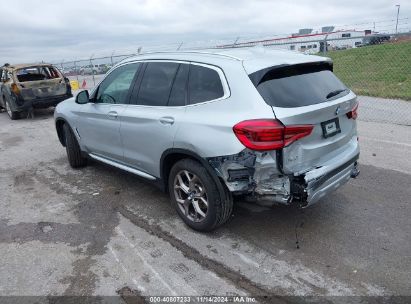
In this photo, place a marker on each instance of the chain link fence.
(377, 67)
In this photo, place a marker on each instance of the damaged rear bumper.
(260, 177)
(307, 191)
(24, 104)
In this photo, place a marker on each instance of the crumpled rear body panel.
(253, 173)
(259, 176)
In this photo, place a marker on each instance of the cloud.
(52, 30)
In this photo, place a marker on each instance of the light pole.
(398, 13)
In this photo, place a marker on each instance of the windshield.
(300, 85)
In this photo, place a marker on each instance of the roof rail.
(189, 52)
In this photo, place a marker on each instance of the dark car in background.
(24, 87)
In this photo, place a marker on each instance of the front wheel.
(76, 160)
(196, 197)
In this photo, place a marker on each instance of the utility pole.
(111, 58)
(92, 69)
(398, 13)
(236, 40)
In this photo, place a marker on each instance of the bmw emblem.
(337, 111)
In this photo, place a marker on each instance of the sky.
(55, 31)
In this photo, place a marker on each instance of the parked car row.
(94, 69)
(91, 69)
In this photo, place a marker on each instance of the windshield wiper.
(335, 93)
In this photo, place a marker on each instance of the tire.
(190, 201)
(76, 160)
(12, 114)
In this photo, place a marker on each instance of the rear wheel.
(12, 114)
(74, 156)
(196, 197)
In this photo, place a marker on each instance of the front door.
(99, 121)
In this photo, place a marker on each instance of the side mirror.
(83, 97)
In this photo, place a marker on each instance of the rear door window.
(156, 83)
(204, 84)
(299, 85)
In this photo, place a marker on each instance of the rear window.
(37, 73)
(299, 85)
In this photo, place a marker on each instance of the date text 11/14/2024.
(202, 299)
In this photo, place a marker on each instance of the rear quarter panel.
(207, 128)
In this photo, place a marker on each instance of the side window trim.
(185, 85)
(136, 88)
(172, 85)
(223, 79)
(133, 82)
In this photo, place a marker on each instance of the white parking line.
(113, 253)
(173, 292)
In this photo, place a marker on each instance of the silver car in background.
(209, 126)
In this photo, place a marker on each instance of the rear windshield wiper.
(335, 93)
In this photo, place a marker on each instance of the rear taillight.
(269, 134)
(293, 133)
(353, 113)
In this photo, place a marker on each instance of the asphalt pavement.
(100, 231)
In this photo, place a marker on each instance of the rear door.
(153, 117)
(311, 94)
(98, 122)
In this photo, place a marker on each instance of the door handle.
(167, 120)
(112, 114)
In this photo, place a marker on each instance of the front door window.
(114, 88)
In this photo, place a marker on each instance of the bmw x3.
(209, 126)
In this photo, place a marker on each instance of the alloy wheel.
(191, 196)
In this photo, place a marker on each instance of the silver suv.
(208, 126)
